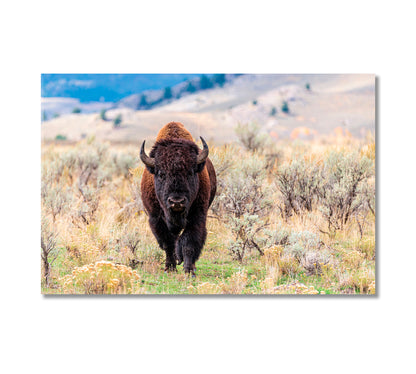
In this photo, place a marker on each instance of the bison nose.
(177, 204)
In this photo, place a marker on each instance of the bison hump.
(174, 130)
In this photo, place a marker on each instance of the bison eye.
(161, 174)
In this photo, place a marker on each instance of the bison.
(177, 188)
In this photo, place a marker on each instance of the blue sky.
(105, 87)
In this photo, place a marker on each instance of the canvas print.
(208, 184)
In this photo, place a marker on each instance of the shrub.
(270, 259)
(223, 159)
(279, 236)
(367, 246)
(58, 165)
(273, 112)
(143, 102)
(60, 137)
(236, 283)
(285, 107)
(250, 137)
(102, 277)
(361, 280)
(91, 171)
(167, 93)
(368, 192)
(305, 247)
(73, 180)
(55, 194)
(84, 245)
(288, 265)
(89, 193)
(205, 82)
(275, 243)
(48, 249)
(354, 258)
(343, 192)
(308, 86)
(369, 151)
(123, 163)
(299, 183)
(219, 79)
(273, 160)
(87, 207)
(135, 188)
(130, 239)
(272, 254)
(245, 190)
(117, 121)
(102, 114)
(76, 110)
(244, 230)
(56, 199)
(190, 87)
(301, 242)
(245, 202)
(372, 288)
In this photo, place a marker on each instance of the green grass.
(216, 268)
(219, 272)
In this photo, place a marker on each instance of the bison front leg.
(165, 240)
(190, 243)
(170, 263)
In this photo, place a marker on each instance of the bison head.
(175, 164)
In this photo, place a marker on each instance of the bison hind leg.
(189, 266)
(179, 254)
(189, 269)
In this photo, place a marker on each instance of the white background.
(205, 334)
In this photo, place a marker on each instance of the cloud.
(58, 86)
(81, 83)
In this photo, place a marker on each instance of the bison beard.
(177, 188)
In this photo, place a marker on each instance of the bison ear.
(150, 169)
(200, 167)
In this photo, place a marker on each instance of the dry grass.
(102, 277)
(115, 251)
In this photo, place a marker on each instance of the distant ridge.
(89, 93)
(284, 106)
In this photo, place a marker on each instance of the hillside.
(344, 102)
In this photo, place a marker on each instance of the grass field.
(289, 218)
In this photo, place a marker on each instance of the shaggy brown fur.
(176, 176)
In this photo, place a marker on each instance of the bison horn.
(148, 161)
(204, 153)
